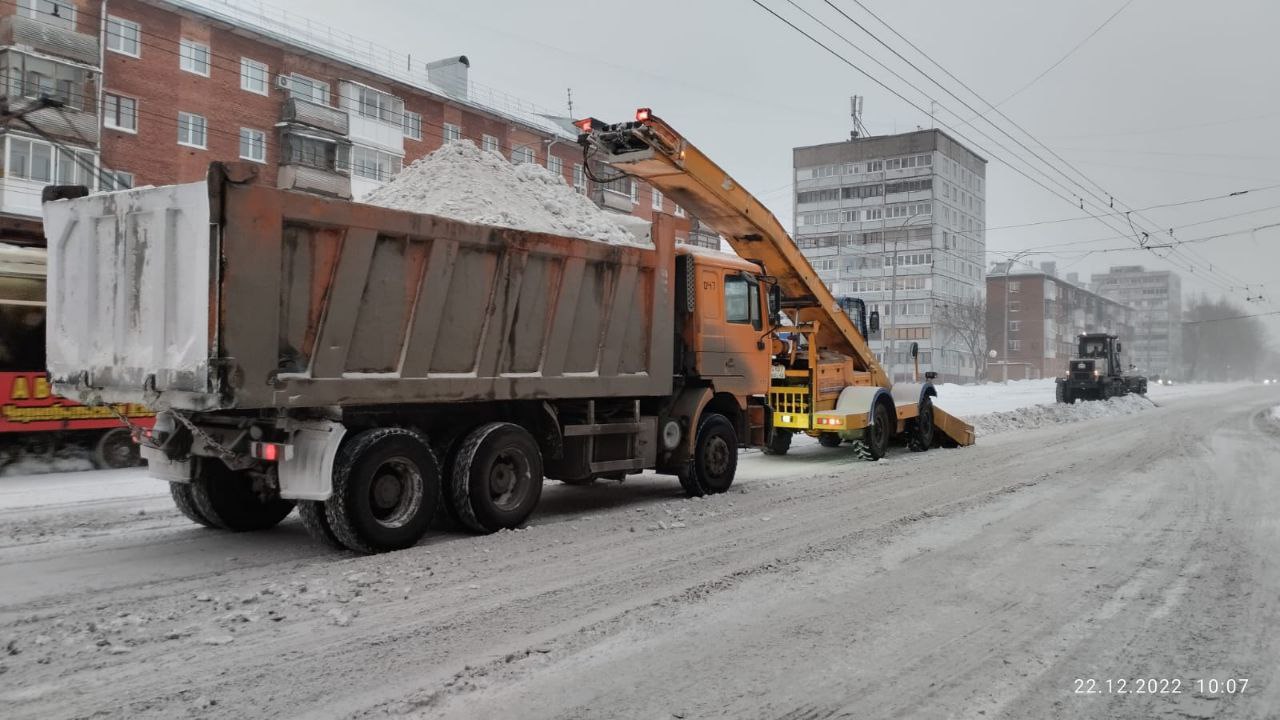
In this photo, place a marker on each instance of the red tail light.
(270, 452)
(643, 114)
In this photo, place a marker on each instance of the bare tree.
(965, 319)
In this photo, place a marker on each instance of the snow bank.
(462, 182)
(1035, 416)
(1275, 413)
(69, 459)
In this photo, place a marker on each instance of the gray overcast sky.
(1173, 100)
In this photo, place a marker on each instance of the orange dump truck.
(371, 365)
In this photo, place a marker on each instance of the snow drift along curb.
(1035, 416)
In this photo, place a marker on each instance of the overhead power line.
(1233, 317)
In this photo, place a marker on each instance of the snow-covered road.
(980, 582)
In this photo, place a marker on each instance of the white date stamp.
(1160, 686)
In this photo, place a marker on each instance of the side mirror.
(915, 350)
(875, 321)
(775, 301)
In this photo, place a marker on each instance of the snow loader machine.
(1097, 372)
(824, 380)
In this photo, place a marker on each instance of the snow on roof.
(302, 32)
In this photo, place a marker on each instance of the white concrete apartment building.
(1156, 299)
(914, 205)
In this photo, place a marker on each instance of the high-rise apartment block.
(906, 209)
(1156, 298)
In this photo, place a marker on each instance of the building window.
(193, 57)
(555, 165)
(1015, 306)
(875, 214)
(192, 130)
(35, 77)
(1015, 286)
(490, 144)
(522, 154)
(312, 90)
(374, 104)
(61, 13)
(1015, 345)
(124, 36)
(579, 178)
(412, 125)
(253, 145)
(452, 133)
(679, 211)
(657, 199)
(314, 152)
(41, 162)
(254, 76)
(1015, 325)
(119, 113)
(116, 180)
(374, 164)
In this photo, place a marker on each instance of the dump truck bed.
(225, 295)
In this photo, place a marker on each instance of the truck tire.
(1060, 393)
(229, 500)
(116, 449)
(874, 441)
(920, 430)
(779, 443)
(186, 504)
(715, 457)
(497, 479)
(829, 440)
(386, 490)
(316, 521)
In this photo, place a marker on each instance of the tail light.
(643, 114)
(270, 452)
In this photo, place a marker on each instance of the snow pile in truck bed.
(462, 182)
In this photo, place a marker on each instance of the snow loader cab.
(1097, 371)
(824, 379)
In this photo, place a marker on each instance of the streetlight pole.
(893, 302)
(1008, 270)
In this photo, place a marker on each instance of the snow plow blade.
(955, 432)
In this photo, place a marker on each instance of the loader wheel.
(715, 457)
(920, 430)
(316, 521)
(232, 500)
(186, 504)
(497, 479)
(829, 440)
(116, 449)
(1059, 393)
(779, 443)
(874, 442)
(386, 490)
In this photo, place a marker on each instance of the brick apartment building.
(152, 91)
(1046, 314)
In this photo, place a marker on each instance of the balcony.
(47, 38)
(67, 123)
(322, 117)
(314, 180)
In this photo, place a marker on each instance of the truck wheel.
(116, 449)
(779, 443)
(874, 442)
(186, 504)
(316, 521)
(386, 490)
(497, 478)
(829, 440)
(1060, 393)
(715, 457)
(229, 500)
(920, 430)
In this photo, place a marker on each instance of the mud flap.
(307, 474)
